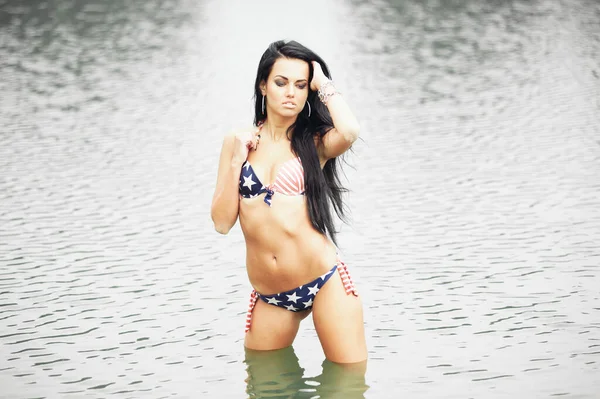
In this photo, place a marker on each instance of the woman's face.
(286, 88)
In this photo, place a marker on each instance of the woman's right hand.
(244, 142)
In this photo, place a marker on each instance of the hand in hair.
(318, 76)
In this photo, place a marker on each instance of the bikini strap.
(346, 279)
(251, 305)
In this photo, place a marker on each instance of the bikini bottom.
(302, 297)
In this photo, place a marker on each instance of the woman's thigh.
(338, 319)
(272, 327)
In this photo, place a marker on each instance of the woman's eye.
(302, 86)
(279, 83)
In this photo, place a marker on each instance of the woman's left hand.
(318, 77)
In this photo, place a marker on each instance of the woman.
(280, 179)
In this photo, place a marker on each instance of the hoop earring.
(307, 103)
(263, 104)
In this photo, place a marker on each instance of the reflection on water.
(476, 220)
(277, 374)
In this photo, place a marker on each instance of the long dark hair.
(322, 186)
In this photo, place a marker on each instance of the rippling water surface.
(475, 197)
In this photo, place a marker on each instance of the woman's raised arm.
(225, 204)
(346, 128)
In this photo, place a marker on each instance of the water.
(476, 213)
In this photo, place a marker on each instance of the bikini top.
(288, 181)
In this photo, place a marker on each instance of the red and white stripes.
(346, 279)
(290, 178)
(253, 299)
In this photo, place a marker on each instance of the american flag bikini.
(288, 181)
(301, 298)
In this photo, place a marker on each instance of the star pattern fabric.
(300, 298)
(250, 185)
(313, 286)
(289, 181)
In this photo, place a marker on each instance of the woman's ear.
(263, 88)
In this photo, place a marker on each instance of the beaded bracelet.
(326, 91)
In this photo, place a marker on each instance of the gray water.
(475, 197)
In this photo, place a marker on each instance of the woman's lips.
(289, 104)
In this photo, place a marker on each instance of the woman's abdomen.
(283, 249)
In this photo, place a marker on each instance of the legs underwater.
(279, 371)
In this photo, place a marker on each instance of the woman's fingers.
(256, 139)
(243, 145)
(249, 140)
(252, 139)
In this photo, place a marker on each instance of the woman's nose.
(290, 91)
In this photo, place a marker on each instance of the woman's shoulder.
(237, 130)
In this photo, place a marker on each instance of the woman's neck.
(277, 127)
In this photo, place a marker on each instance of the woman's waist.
(289, 267)
(264, 225)
(280, 237)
